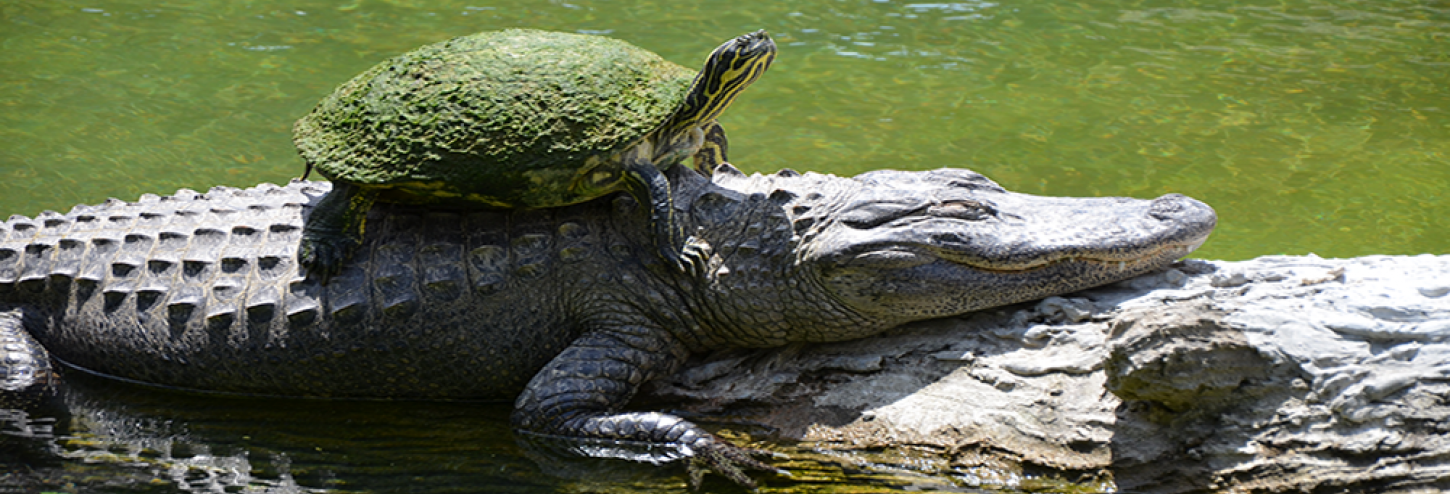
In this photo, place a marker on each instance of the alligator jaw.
(886, 289)
(895, 259)
(1155, 257)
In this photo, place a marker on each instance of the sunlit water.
(1311, 126)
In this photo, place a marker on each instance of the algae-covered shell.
(489, 117)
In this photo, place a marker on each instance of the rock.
(1278, 374)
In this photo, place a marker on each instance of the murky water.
(1310, 125)
(121, 438)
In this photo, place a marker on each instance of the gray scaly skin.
(565, 310)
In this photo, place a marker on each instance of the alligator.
(562, 310)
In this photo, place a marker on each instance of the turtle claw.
(729, 461)
(694, 259)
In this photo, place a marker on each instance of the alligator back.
(202, 291)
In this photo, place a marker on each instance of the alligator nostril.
(1169, 206)
(1183, 210)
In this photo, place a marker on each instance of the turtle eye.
(963, 209)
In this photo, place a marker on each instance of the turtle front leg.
(651, 189)
(334, 230)
(712, 152)
(578, 395)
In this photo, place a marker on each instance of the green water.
(1310, 125)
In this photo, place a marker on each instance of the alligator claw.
(729, 461)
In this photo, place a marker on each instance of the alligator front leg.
(579, 394)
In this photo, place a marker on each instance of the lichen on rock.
(1277, 374)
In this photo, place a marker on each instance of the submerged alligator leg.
(27, 380)
(579, 394)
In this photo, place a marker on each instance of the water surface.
(1311, 125)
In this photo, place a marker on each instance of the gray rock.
(1278, 374)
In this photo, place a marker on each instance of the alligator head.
(888, 247)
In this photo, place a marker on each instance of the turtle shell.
(506, 118)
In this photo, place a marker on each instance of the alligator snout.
(1184, 210)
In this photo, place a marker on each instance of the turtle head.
(728, 70)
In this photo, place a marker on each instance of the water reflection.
(125, 437)
(103, 436)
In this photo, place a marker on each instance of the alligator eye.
(871, 214)
(964, 179)
(965, 209)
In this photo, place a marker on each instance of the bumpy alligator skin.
(564, 310)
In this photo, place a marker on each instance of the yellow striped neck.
(729, 70)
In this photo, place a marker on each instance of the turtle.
(517, 119)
